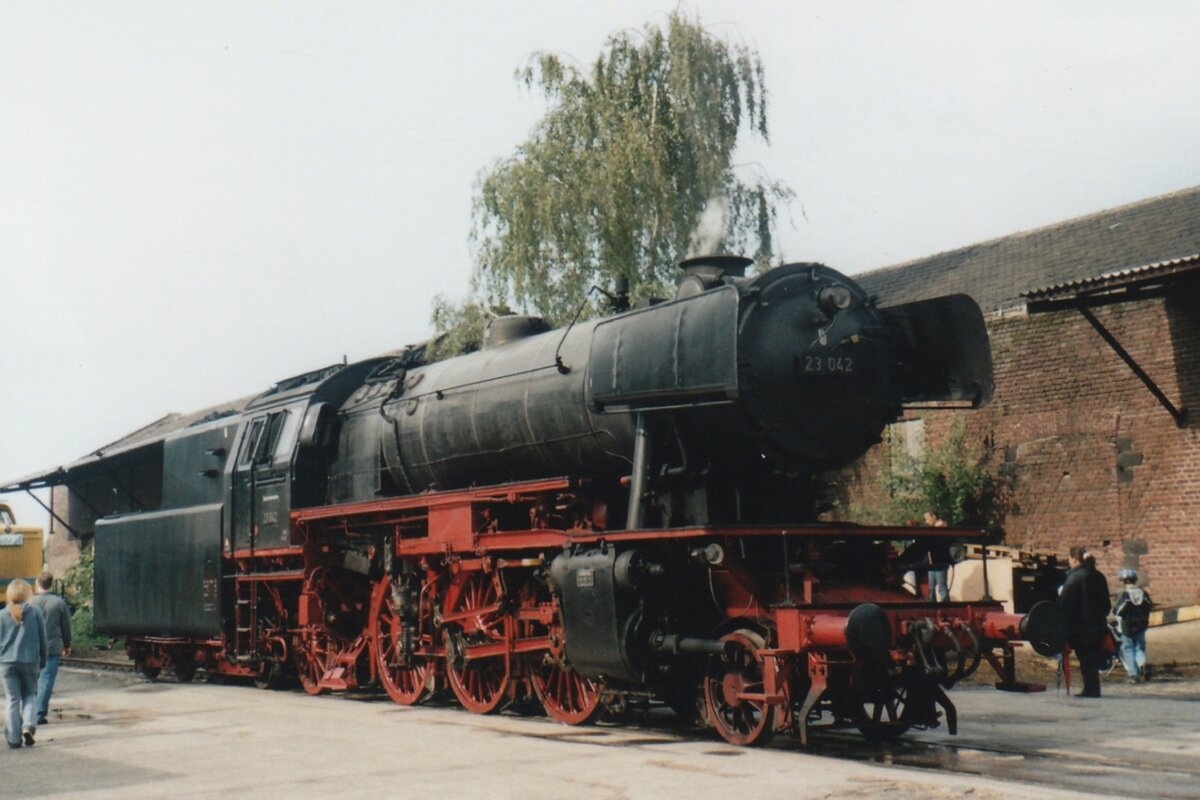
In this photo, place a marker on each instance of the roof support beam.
(97, 513)
(117, 483)
(50, 511)
(1180, 415)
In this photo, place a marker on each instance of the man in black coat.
(1085, 605)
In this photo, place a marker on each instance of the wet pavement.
(1136, 741)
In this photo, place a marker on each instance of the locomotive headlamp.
(958, 553)
(834, 298)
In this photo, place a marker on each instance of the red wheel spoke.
(566, 695)
(310, 663)
(480, 684)
(406, 682)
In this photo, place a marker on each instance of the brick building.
(1097, 454)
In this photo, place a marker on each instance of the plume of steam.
(706, 237)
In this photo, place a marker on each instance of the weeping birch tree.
(614, 181)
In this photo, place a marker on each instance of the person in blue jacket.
(22, 657)
(1133, 618)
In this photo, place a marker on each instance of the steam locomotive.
(620, 512)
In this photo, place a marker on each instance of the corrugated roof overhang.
(1120, 286)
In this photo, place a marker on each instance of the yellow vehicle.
(20, 549)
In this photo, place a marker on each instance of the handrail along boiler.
(621, 511)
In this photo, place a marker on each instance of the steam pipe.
(637, 484)
(675, 644)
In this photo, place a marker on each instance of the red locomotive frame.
(482, 622)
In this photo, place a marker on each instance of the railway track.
(95, 663)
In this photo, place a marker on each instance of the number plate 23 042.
(826, 365)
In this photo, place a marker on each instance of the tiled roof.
(164, 426)
(998, 272)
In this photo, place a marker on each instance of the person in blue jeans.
(939, 562)
(22, 657)
(58, 639)
(1133, 618)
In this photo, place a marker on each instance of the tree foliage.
(78, 590)
(460, 328)
(79, 580)
(958, 481)
(614, 180)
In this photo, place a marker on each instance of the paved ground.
(114, 734)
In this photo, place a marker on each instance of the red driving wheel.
(473, 618)
(729, 690)
(407, 675)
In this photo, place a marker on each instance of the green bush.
(78, 588)
(78, 583)
(958, 481)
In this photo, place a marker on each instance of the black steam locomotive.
(622, 511)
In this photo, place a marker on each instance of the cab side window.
(270, 437)
(263, 438)
(250, 446)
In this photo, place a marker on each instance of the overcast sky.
(199, 199)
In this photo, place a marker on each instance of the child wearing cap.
(1133, 617)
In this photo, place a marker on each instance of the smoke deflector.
(945, 355)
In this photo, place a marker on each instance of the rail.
(96, 663)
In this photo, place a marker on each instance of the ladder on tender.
(245, 619)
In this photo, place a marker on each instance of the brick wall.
(62, 550)
(1096, 460)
